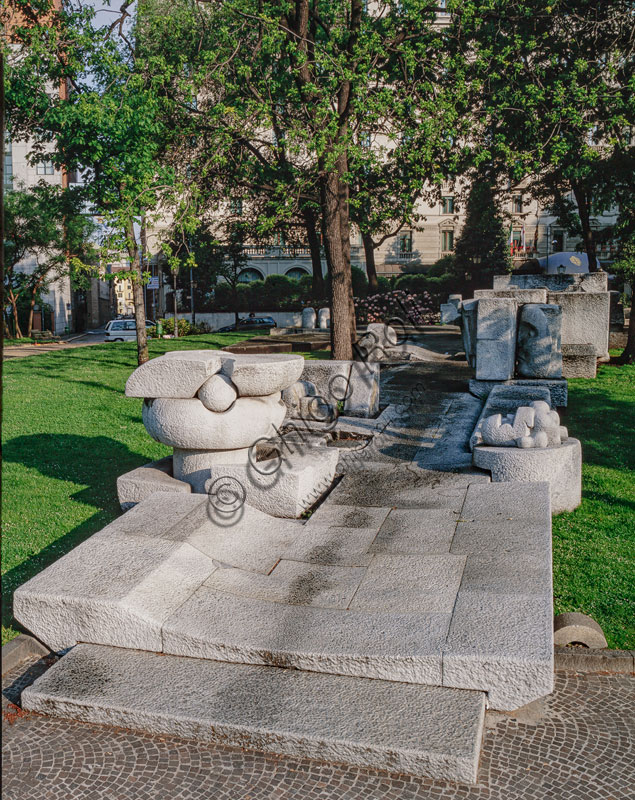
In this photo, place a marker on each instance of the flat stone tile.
(395, 646)
(503, 644)
(422, 730)
(423, 584)
(332, 545)
(292, 582)
(402, 487)
(115, 589)
(508, 573)
(157, 515)
(508, 536)
(342, 516)
(416, 531)
(499, 502)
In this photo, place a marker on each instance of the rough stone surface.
(175, 377)
(585, 318)
(575, 628)
(539, 349)
(579, 361)
(469, 313)
(450, 314)
(522, 295)
(287, 490)
(353, 384)
(308, 318)
(218, 393)
(188, 425)
(495, 338)
(589, 282)
(504, 399)
(534, 426)
(411, 729)
(262, 375)
(560, 466)
(411, 531)
(589, 716)
(115, 589)
(324, 319)
(425, 584)
(136, 485)
(557, 388)
(388, 645)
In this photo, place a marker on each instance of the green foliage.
(360, 282)
(384, 285)
(482, 249)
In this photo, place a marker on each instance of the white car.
(123, 330)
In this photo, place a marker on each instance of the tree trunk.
(310, 224)
(176, 314)
(136, 274)
(628, 354)
(342, 325)
(14, 307)
(369, 254)
(584, 212)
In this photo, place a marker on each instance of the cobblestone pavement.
(576, 744)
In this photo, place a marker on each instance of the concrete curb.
(20, 649)
(583, 660)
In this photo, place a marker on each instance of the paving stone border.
(579, 659)
(19, 650)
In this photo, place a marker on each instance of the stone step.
(419, 730)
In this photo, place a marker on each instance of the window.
(44, 168)
(405, 242)
(447, 205)
(117, 326)
(8, 165)
(249, 275)
(236, 206)
(296, 273)
(517, 204)
(557, 241)
(131, 325)
(447, 241)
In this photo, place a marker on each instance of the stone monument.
(324, 319)
(308, 318)
(539, 349)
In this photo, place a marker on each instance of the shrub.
(360, 282)
(185, 327)
(384, 285)
(409, 308)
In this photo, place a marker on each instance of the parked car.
(250, 324)
(123, 330)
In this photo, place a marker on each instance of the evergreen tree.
(482, 248)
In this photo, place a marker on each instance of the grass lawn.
(69, 431)
(594, 546)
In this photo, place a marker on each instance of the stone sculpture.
(214, 408)
(324, 319)
(539, 350)
(308, 318)
(303, 402)
(533, 426)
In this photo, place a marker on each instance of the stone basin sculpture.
(213, 408)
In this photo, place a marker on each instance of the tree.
(624, 266)
(553, 82)
(481, 250)
(46, 224)
(285, 90)
(110, 127)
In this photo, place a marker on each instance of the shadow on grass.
(606, 429)
(95, 462)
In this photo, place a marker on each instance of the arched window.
(249, 275)
(296, 273)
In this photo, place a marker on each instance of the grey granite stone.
(500, 502)
(495, 338)
(136, 485)
(585, 319)
(505, 399)
(347, 547)
(536, 295)
(502, 535)
(424, 584)
(347, 517)
(557, 388)
(539, 349)
(293, 583)
(501, 643)
(416, 531)
(396, 646)
(469, 313)
(585, 282)
(559, 465)
(499, 573)
(575, 628)
(425, 731)
(177, 377)
(112, 589)
(579, 361)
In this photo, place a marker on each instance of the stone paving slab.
(409, 531)
(416, 730)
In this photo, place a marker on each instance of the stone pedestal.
(495, 338)
(585, 319)
(579, 361)
(560, 466)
